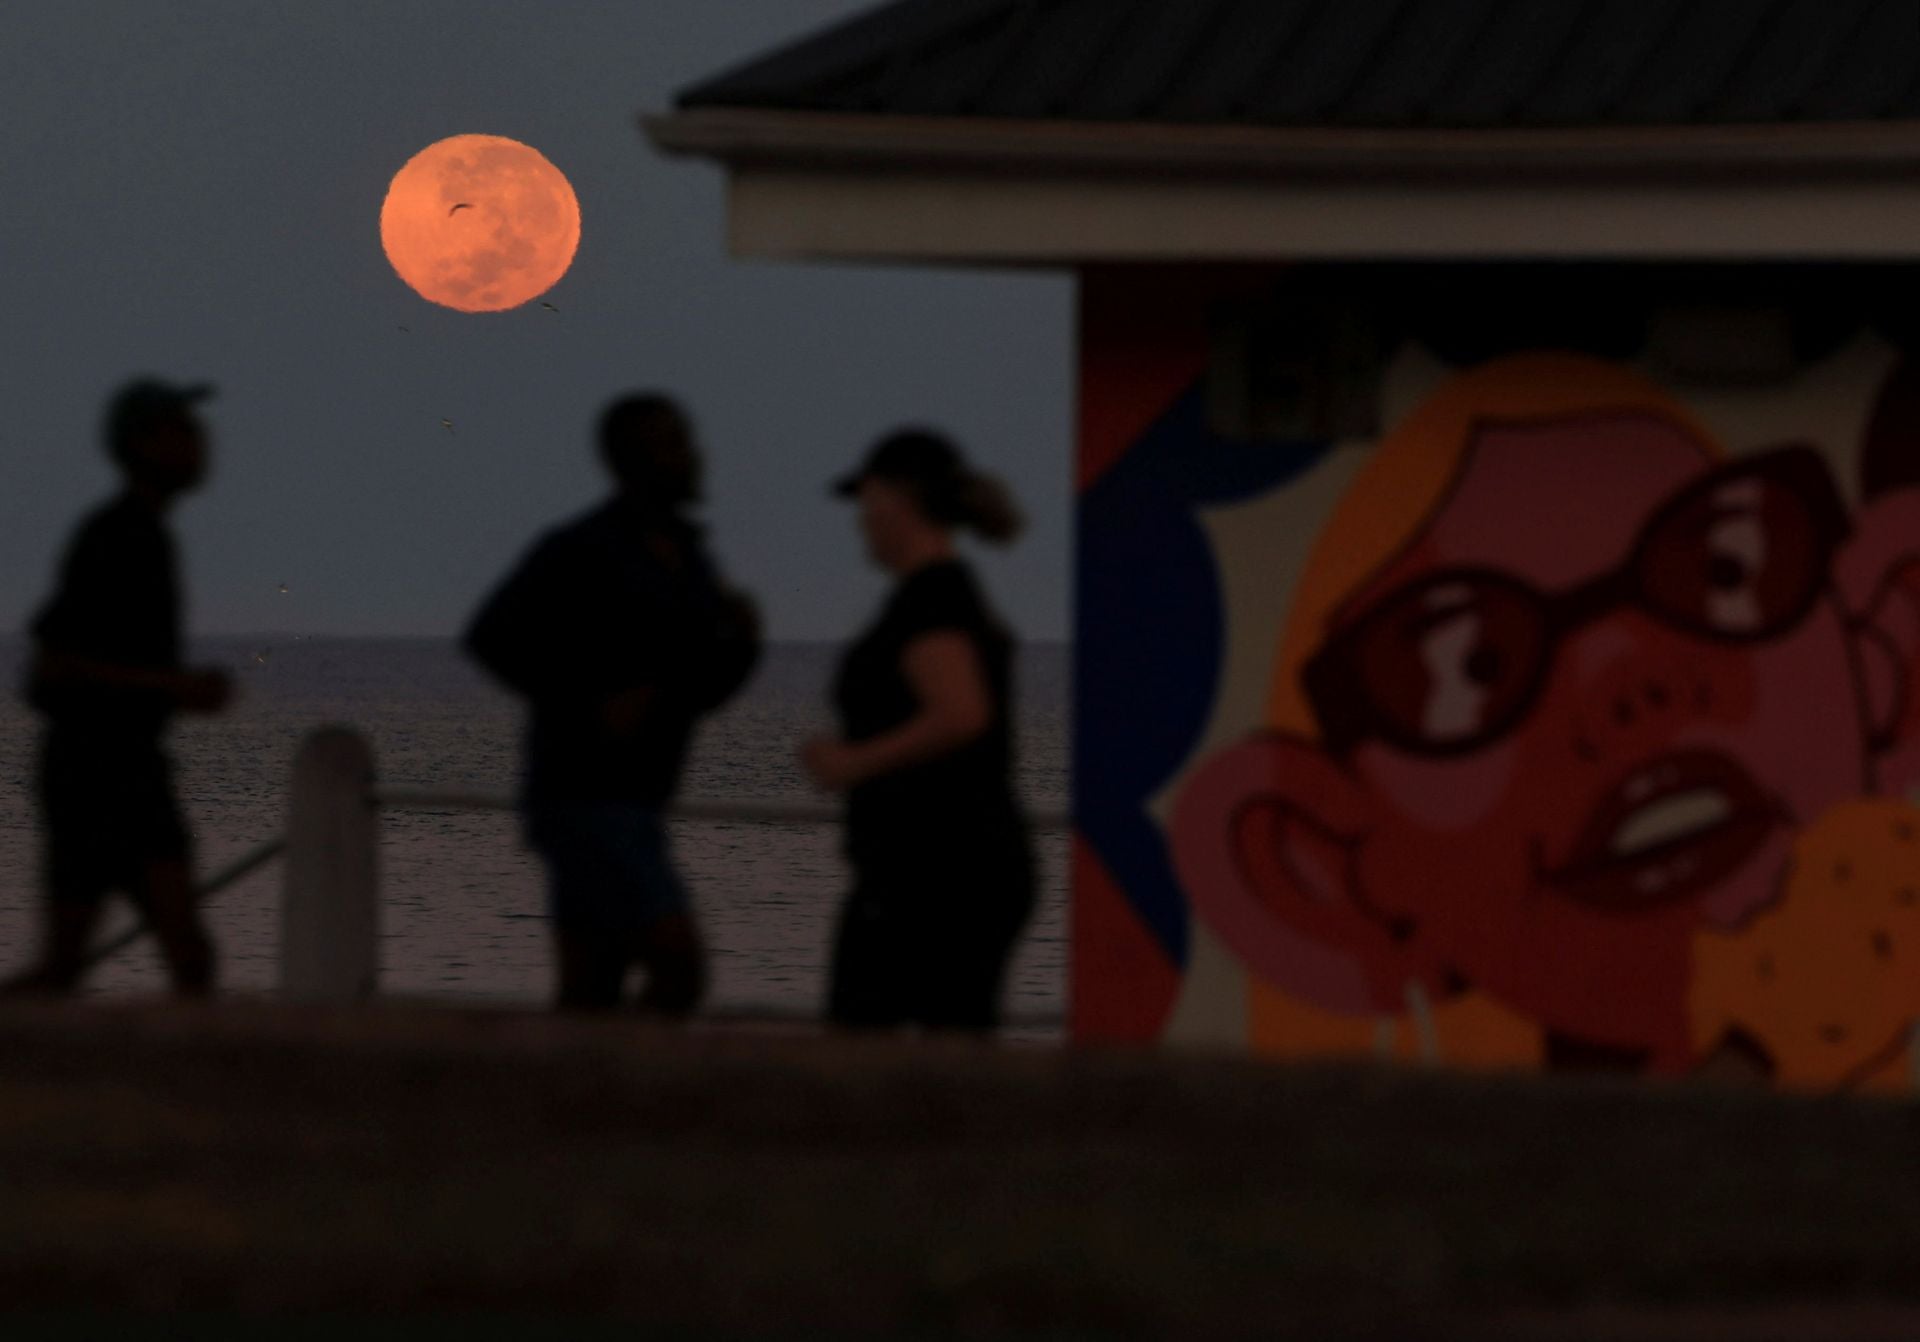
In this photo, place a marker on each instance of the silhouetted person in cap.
(620, 634)
(943, 876)
(107, 675)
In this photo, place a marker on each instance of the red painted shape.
(1890, 458)
(1144, 340)
(1124, 985)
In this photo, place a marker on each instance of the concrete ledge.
(255, 1162)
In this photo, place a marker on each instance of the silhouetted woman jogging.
(943, 879)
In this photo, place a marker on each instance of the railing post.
(329, 911)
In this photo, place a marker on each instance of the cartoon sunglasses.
(1455, 660)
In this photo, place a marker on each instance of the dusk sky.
(194, 191)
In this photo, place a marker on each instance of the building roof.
(1354, 64)
(1074, 132)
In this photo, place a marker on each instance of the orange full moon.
(480, 223)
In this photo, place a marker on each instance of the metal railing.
(231, 874)
(330, 899)
(747, 812)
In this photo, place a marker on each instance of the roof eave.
(772, 138)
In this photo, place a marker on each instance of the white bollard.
(329, 908)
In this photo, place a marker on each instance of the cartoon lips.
(1673, 829)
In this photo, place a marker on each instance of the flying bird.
(447, 424)
(283, 589)
(262, 655)
(549, 307)
(463, 205)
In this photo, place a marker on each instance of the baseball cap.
(921, 458)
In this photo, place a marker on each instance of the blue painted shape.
(1150, 635)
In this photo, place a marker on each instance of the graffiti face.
(1577, 718)
(1588, 756)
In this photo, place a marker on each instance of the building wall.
(1536, 682)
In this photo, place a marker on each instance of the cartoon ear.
(1265, 837)
(1878, 575)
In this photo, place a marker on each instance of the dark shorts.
(929, 944)
(609, 866)
(108, 812)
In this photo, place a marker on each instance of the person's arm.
(88, 594)
(513, 635)
(204, 691)
(956, 709)
(734, 651)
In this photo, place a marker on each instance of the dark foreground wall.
(256, 1165)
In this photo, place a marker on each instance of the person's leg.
(675, 959)
(590, 961)
(591, 968)
(66, 935)
(161, 875)
(667, 940)
(166, 896)
(78, 865)
(968, 950)
(868, 975)
(958, 985)
(78, 873)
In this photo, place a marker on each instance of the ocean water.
(461, 897)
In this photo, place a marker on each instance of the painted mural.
(1570, 721)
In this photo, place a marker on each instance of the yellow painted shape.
(1827, 980)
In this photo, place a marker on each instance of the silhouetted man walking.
(107, 675)
(619, 633)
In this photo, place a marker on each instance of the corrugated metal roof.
(1354, 63)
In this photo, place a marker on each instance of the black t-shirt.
(946, 806)
(117, 601)
(617, 599)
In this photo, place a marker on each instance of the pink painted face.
(1577, 720)
(1590, 706)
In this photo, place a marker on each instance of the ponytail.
(987, 508)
